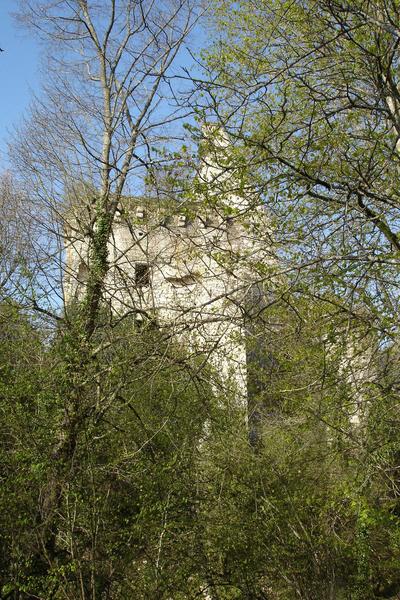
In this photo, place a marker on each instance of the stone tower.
(191, 266)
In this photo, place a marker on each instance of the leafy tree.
(311, 511)
(125, 475)
(310, 91)
(108, 70)
(166, 497)
(118, 515)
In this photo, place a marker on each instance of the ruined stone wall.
(190, 270)
(190, 266)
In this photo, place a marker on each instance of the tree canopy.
(130, 467)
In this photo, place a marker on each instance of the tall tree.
(103, 111)
(311, 90)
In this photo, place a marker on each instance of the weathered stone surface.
(191, 267)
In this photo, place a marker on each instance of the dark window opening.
(83, 273)
(142, 274)
(184, 281)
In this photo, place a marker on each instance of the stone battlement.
(191, 266)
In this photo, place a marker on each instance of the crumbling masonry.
(192, 267)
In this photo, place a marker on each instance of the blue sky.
(19, 72)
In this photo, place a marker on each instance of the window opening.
(184, 280)
(83, 273)
(142, 274)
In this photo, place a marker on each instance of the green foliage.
(309, 90)
(125, 476)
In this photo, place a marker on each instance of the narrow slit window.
(83, 273)
(142, 274)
